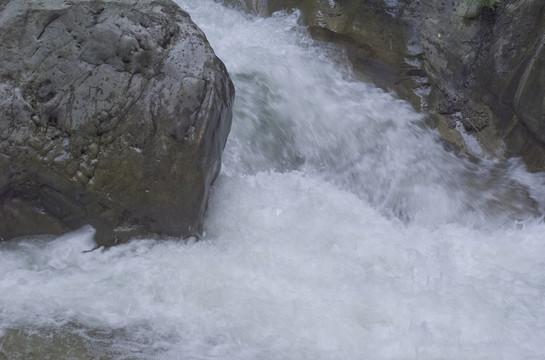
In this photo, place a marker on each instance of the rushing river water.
(339, 228)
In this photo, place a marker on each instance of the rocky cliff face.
(510, 77)
(112, 113)
(476, 67)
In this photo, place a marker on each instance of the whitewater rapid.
(339, 228)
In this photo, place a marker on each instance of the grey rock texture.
(474, 66)
(112, 113)
(510, 77)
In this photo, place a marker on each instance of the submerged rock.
(112, 113)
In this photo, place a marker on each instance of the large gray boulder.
(112, 113)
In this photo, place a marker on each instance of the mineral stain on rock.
(111, 114)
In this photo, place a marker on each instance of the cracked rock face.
(112, 113)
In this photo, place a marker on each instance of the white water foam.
(339, 229)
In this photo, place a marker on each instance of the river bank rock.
(112, 113)
(475, 67)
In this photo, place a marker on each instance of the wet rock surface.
(112, 113)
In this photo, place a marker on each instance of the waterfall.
(339, 228)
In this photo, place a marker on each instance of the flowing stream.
(339, 228)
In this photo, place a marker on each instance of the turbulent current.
(339, 228)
